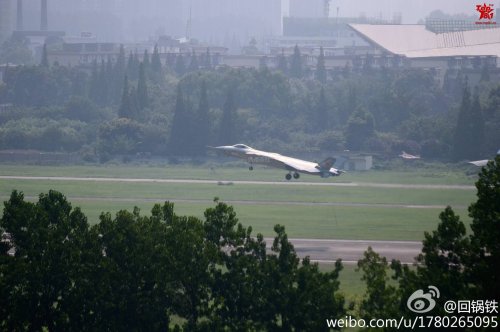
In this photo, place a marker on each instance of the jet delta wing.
(405, 155)
(481, 163)
(292, 165)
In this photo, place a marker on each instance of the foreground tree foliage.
(485, 214)
(48, 283)
(133, 273)
(461, 266)
(380, 299)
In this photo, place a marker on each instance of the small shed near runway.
(355, 163)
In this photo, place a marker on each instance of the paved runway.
(292, 183)
(350, 251)
(243, 202)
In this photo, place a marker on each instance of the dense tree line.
(382, 110)
(136, 272)
(462, 265)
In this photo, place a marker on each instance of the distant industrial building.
(85, 50)
(346, 42)
(309, 8)
(332, 34)
(422, 48)
(232, 23)
(36, 38)
(362, 42)
(20, 16)
(83, 53)
(43, 10)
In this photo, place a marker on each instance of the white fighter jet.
(292, 165)
(481, 163)
(405, 155)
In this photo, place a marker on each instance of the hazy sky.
(133, 20)
(411, 10)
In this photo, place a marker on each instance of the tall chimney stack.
(43, 18)
(20, 15)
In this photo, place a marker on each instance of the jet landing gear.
(295, 176)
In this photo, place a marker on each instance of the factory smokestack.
(20, 15)
(43, 18)
(5, 19)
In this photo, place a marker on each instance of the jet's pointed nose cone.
(222, 147)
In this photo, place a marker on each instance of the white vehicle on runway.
(292, 165)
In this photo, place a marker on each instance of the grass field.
(389, 213)
(351, 284)
(247, 192)
(336, 212)
(331, 222)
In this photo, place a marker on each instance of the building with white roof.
(424, 48)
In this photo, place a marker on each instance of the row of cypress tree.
(191, 128)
